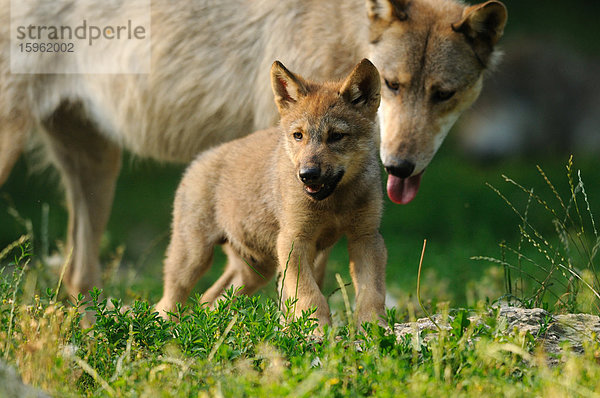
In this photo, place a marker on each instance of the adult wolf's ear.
(362, 87)
(387, 10)
(382, 13)
(483, 25)
(287, 87)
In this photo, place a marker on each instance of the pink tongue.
(403, 190)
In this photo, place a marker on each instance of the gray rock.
(550, 330)
(11, 385)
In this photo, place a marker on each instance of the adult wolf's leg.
(89, 165)
(13, 136)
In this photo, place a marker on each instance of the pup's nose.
(310, 174)
(401, 169)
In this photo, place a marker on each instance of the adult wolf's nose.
(402, 169)
(309, 174)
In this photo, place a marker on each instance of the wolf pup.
(280, 198)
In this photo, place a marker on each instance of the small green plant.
(10, 284)
(560, 271)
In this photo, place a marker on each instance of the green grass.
(247, 346)
(559, 270)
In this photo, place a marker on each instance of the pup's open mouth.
(403, 190)
(322, 190)
(313, 189)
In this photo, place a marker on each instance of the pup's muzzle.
(309, 175)
(317, 185)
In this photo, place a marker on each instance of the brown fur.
(209, 85)
(250, 194)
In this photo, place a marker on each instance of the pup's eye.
(297, 136)
(441, 95)
(392, 85)
(335, 136)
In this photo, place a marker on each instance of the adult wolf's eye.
(392, 85)
(297, 136)
(441, 95)
(335, 136)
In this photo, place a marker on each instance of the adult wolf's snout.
(402, 185)
(309, 174)
(400, 169)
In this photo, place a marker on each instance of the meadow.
(497, 232)
(479, 251)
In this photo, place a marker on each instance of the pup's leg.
(189, 256)
(226, 280)
(89, 165)
(238, 273)
(368, 257)
(321, 265)
(298, 279)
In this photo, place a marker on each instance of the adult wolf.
(209, 84)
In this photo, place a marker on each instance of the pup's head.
(330, 128)
(431, 55)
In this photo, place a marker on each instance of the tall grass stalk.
(559, 265)
(419, 287)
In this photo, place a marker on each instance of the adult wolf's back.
(210, 62)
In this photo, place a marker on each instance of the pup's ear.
(483, 25)
(287, 87)
(387, 10)
(362, 87)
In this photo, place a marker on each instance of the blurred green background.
(455, 211)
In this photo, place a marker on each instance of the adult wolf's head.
(330, 128)
(431, 55)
